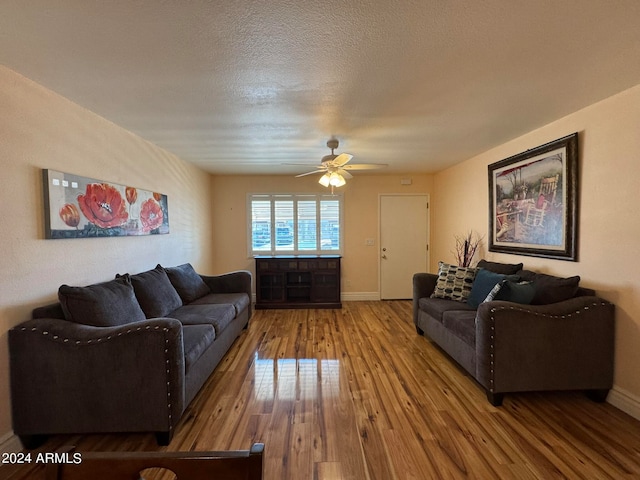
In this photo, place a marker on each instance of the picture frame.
(82, 207)
(533, 201)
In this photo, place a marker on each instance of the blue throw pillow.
(485, 281)
(516, 292)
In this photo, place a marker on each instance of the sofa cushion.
(107, 304)
(483, 284)
(436, 307)
(240, 301)
(516, 292)
(462, 324)
(155, 293)
(550, 289)
(187, 282)
(218, 315)
(196, 339)
(503, 268)
(454, 283)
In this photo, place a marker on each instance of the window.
(299, 224)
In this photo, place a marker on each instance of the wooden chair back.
(219, 465)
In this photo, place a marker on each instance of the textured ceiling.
(246, 86)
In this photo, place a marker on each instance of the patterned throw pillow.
(454, 283)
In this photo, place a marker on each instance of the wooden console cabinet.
(298, 281)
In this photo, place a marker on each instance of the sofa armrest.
(73, 378)
(568, 345)
(232, 282)
(423, 286)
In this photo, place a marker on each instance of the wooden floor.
(356, 394)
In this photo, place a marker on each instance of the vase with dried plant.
(466, 247)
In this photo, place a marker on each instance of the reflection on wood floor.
(357, 394)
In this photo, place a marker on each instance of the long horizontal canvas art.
(81, 207)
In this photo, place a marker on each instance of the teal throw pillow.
(483, 284)
(516, 292)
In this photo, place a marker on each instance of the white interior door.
(404, 235)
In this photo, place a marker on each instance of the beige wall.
(361, 198)
(39, 129)
(609, 222)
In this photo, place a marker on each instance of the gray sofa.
(127, 355)
(554, 336)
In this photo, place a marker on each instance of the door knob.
(384, 256)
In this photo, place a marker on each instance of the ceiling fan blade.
(365, 166)
(345, 174)
(342, 159)
(302, 164)
(310, 173)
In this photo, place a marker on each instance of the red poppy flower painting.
(131, 194)
(103, 205)
(70, 215)
(82, 207)
(151, 215)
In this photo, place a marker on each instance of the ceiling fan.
(334, 167)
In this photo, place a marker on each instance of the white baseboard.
(625, 401)
(360, 296)
(9, 443)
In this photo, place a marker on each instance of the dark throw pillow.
(503, 268)
(187, 282)
(454, 283)
(485, 281)
(107, 304)
(154, 292)
(551, 289)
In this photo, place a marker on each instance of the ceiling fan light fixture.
(336, 180)
(324, 180)
(332, 179)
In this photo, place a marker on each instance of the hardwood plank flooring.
(356, 394)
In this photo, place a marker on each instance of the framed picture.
(533, 201)
(81, 207)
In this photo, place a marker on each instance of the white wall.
(609, 222)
